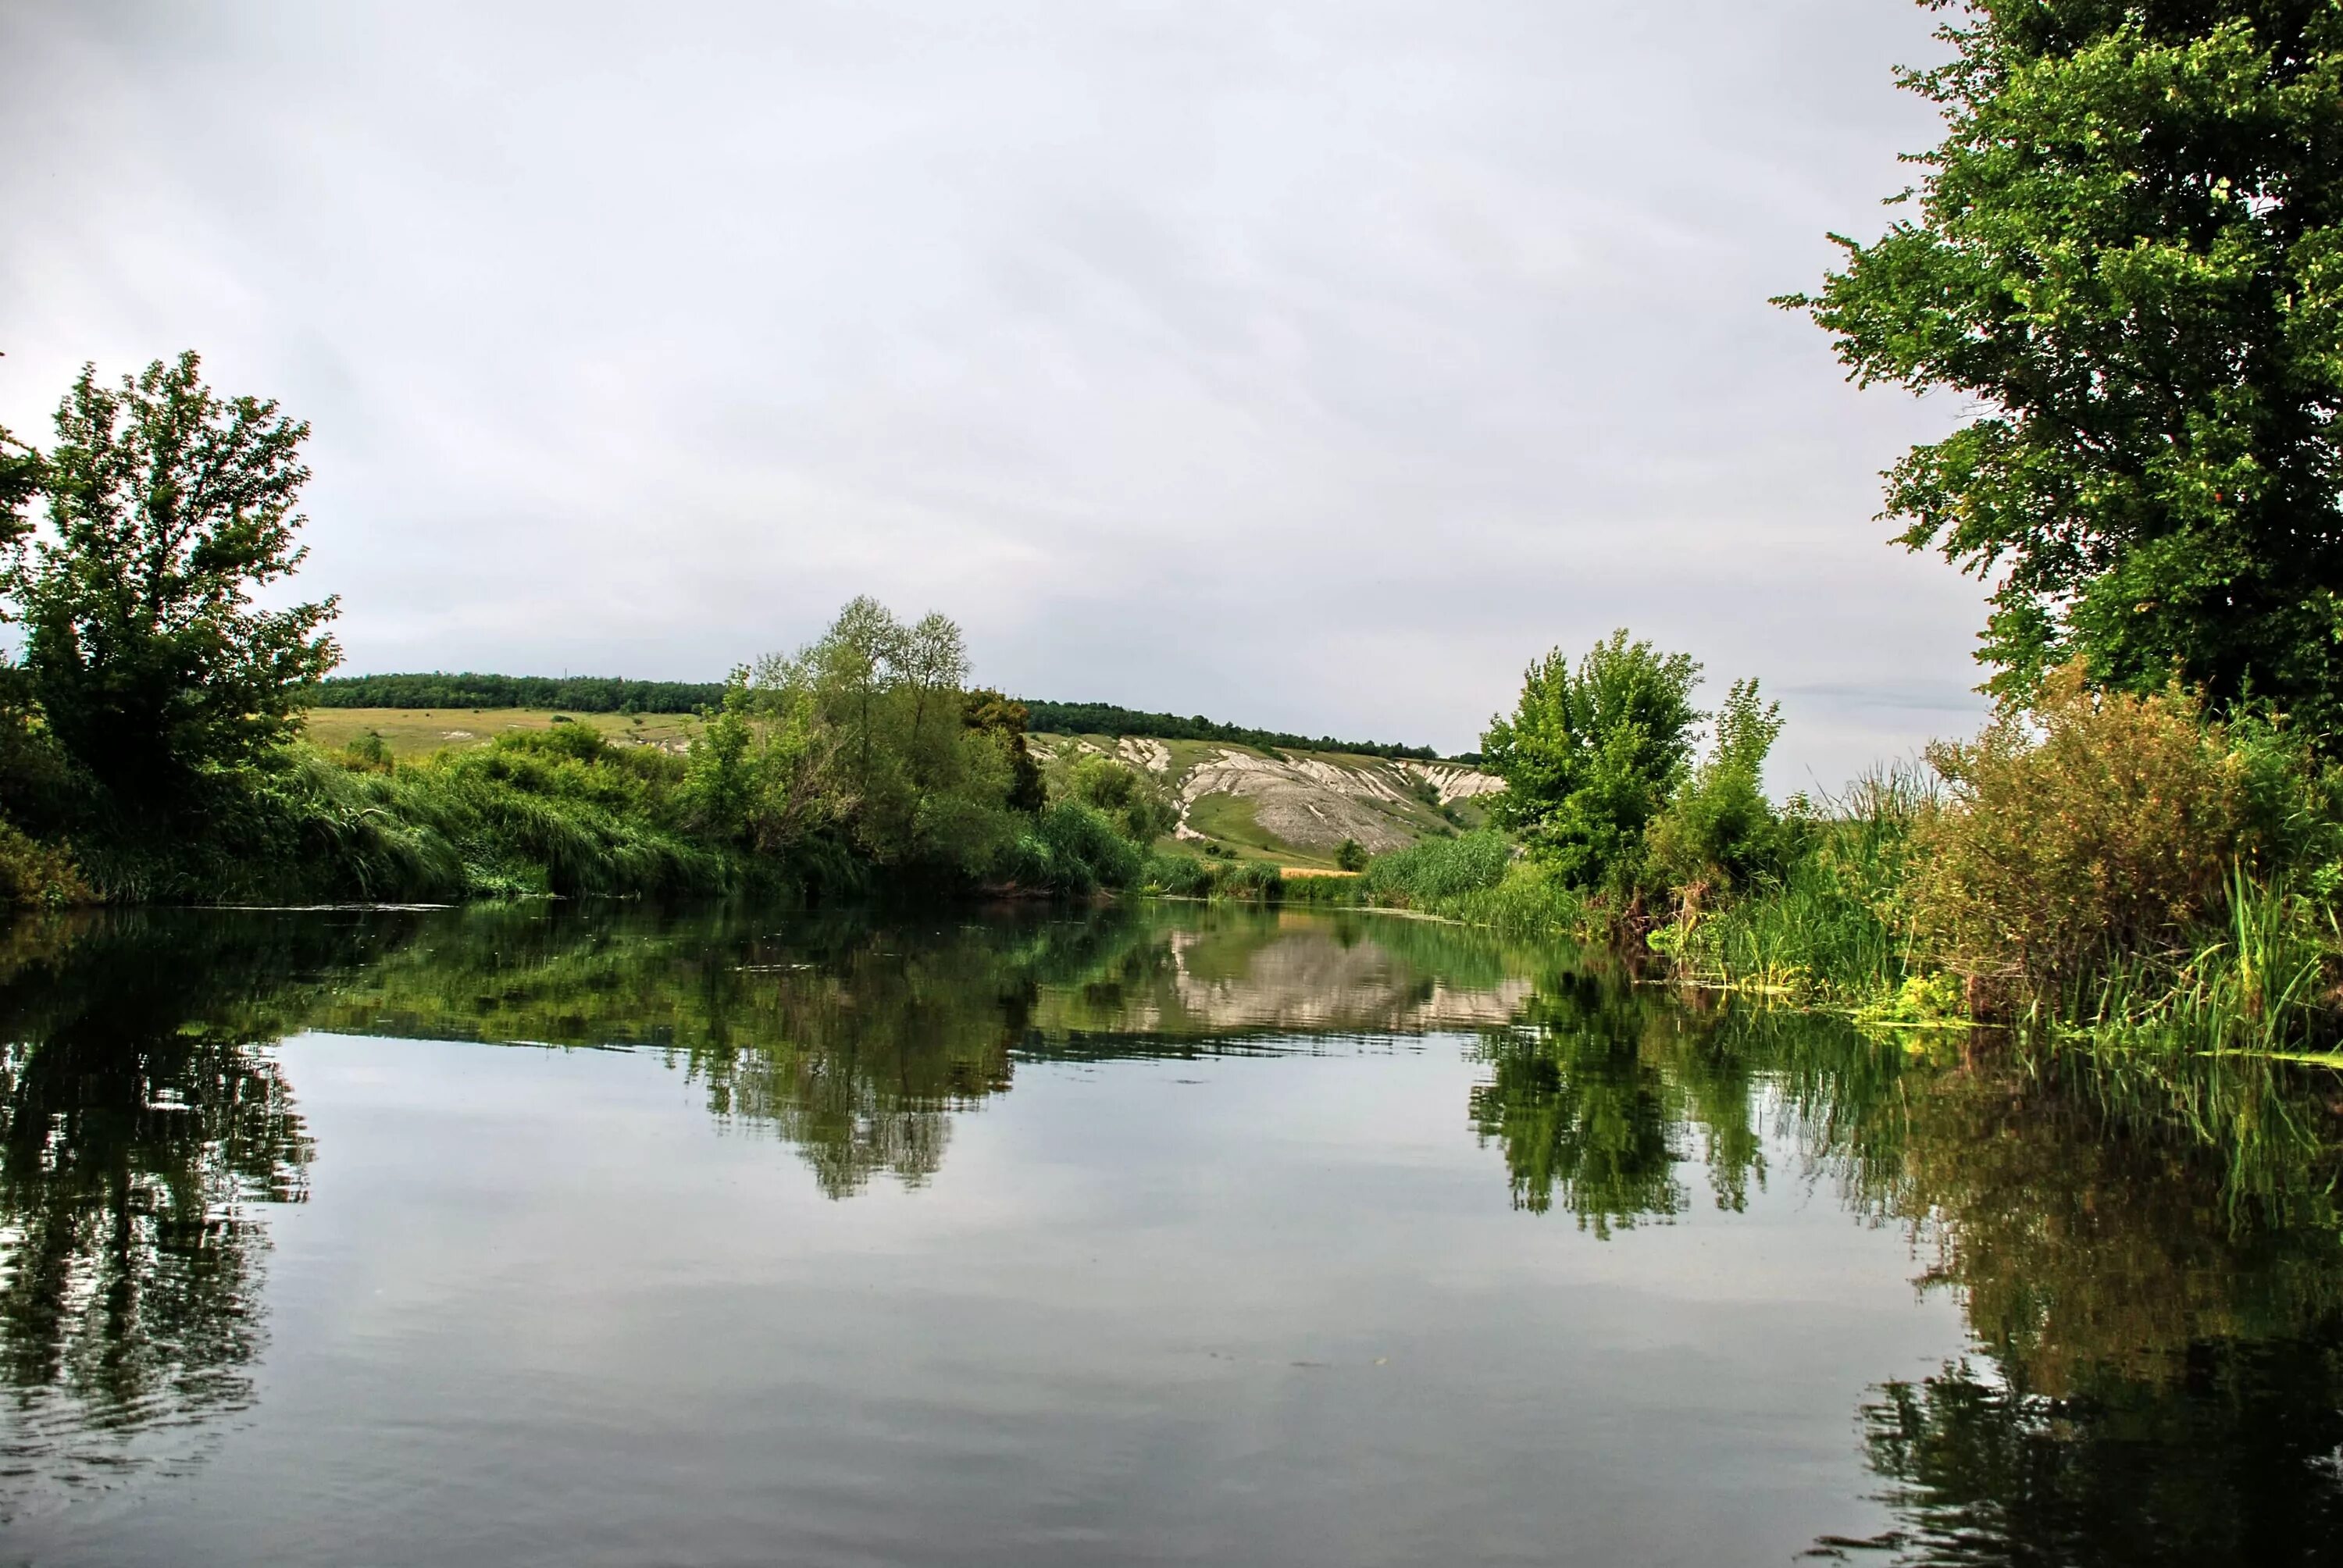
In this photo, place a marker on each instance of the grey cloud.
(1311, 365)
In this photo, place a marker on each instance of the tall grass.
(528, 814)
(2257, 982)
(1478, 877)
(1830, 928)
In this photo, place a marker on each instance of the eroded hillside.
(1292, 806)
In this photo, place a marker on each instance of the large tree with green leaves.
(1590, 755)
(20, 481)
(169, 508)
(2127, 254)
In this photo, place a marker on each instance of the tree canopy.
(1592, 754)
(168, 507)
(2127, 253)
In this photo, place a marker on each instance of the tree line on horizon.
(616, 694)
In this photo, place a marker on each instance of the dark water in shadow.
(1167, 1234)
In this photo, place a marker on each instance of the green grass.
(412, 733)
(1229, 820)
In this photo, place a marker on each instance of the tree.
(20, 481)
(988, 713)
(1720, 832)
(1138, 807)
(934, 659)
(168, 507)
(1592, 754)
(2127, 254)
(853, 672)
(882, 725)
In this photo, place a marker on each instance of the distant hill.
(613, 694)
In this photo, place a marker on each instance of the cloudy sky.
(1307, 365)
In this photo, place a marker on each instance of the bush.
(1130, 800)
(1071, 848)
(1179, 874)
(2099, 823)
(1592, 754)
(1255, 880)
(370, 753)
(1350, 855)
(1832, 927)
(1720, 833)
(37, 876)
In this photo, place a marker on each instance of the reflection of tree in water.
(2148, 1256)
(2149, 1260)
(858, 1044)
(2150, 1267)
(2232, 1458)
(1598, 1095)
(142, 1123)
(861, 1064)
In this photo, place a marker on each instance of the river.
(1164, 1233)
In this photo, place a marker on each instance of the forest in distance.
(2144, 845)
(601, 694)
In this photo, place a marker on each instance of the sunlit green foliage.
(1431, 873)
(1834, 928)
(2127, 256)
(1135, 803)
(1719, 833)
(1590, 756)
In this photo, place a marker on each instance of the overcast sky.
(1310, 365)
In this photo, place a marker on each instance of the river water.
(1161, 1234)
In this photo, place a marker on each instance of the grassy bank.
(2115, 869)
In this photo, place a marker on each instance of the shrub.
(37, 876)
(1719, 833)
(1181, 875)
(370, 753)
(1350, 855)
(1249, 879)
(1132, 800)
(2096, 823)
(1071, 848)
(1833, 925)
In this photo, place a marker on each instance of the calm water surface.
(1160, 1235)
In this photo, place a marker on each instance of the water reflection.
(855, 1043)
(2157, 1314)
(144, 1126)
(2146, 1253)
